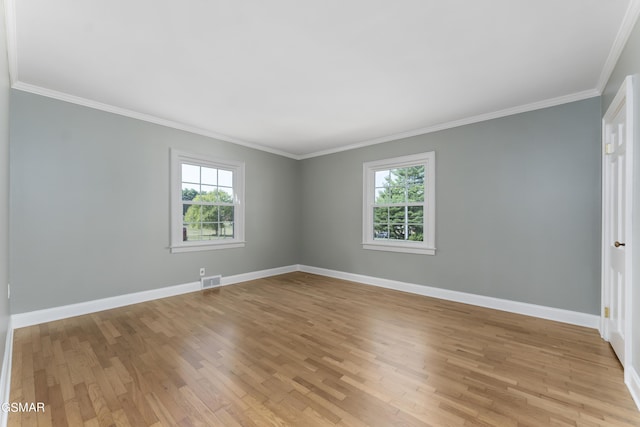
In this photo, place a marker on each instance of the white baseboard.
(56, 313)
(550, 313)
(5, 375)
(21, 320)
(261, 274)
(633, 383)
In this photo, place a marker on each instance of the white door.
(617, 165)
(615, 171)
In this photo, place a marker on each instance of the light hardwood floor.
(306, 350)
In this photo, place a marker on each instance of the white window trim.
(426, 247)
(177, 245)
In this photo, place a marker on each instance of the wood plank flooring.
(306, 350)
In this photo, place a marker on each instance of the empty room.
(349, 213)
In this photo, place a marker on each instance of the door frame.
(625, 98)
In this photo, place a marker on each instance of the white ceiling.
(302, 78)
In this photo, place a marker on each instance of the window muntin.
(207, 206)
(398, 208)
(207, 203)
(399, 204)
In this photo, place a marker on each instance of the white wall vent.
(211, 281)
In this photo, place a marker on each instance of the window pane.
(189, 191)
(209, 176)
(382, 196)
(416, 233)
(396, 232)
(397, 194)
(225, 194)
(416, 193)
(416, 214)
(226, 230)
(397, 177)
(209, 214)
(382, 178)
(209, 230)
(380, 231)
(226, 213)
(190, 173)
(208, 193)
(225, 178)
(191, 232)
(381, 215)
(407, 176)
(191, 213)
(415, 175)
(396, 214)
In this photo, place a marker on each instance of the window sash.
(404, 221)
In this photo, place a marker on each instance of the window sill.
(399, 248)
(206, 247)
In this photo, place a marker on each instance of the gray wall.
(628, 64)
(90, 206)
(4, 184)
(518, 209)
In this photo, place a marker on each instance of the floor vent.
(210, 282)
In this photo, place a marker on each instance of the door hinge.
(606, 312)
(608, 148)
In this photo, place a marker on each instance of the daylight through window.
(398, 210)
(207, 203)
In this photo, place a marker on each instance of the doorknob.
(618, 244)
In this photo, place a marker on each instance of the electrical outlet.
(202, 272)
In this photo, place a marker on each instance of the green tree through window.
(215, 220)
(207, 203)
(398, 210)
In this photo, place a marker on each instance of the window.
(207, 202)
(399, 204)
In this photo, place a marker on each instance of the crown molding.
(626, 27)
(12, 47)
(38, 90)
(631, 16)
(579, 96)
